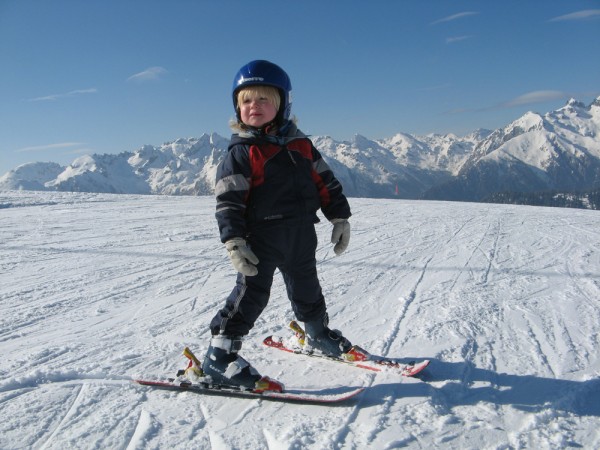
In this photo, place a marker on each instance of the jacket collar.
(287, 133)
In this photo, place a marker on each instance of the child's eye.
(247, 101)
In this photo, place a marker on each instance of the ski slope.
(98, 289)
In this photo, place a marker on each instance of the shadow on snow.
(524, 392)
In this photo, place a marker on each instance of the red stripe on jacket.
(260, 155)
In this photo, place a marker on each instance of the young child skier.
(268, 189)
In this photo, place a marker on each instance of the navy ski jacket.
(266, 180)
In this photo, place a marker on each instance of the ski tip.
(416, 368)
(269, 341)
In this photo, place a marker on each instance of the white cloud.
(536, 97)
(579, 15)
(83, 91)
(150, 74)
(525, 99)
(41, 148)
(455, 17)
(53, 97)
(452, 40)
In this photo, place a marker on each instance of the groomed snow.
(98, 289)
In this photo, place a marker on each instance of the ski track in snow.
(98, 289)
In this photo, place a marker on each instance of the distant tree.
(581, 200)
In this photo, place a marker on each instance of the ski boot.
(318, 336)
(224, 366)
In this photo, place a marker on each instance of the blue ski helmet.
(265, 73)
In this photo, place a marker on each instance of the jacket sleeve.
(231, 191)
(334, 203)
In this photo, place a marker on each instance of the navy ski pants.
(291, 249)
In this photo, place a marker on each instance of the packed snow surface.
(98, 289)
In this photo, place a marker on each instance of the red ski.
(204, 385)
(324, 396)
(356, 357)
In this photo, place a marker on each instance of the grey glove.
(243, 259)
(340, 236)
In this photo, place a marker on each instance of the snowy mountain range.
(559, 150)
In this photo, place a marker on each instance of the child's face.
(256, 110)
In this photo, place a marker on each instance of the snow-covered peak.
(400, 140)
(218, 141)
(360, 141)
(30, 176)
(578, 124)
(529, 121)
(478, 135)
(85, 163)
(574, 103)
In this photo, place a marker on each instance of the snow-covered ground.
(98, 289)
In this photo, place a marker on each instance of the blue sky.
(112, 75)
